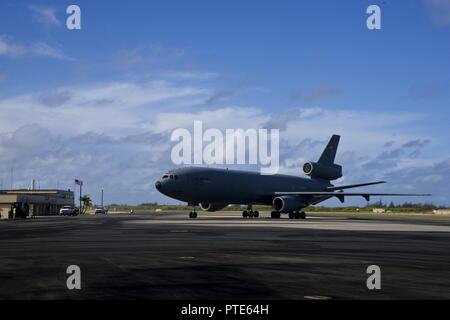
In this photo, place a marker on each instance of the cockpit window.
(170, 176)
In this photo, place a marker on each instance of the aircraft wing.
(348, 186)
(341, 195)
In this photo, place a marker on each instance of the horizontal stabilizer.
(333, 188)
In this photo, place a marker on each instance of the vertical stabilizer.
(329, 153)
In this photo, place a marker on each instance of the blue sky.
(99, 103)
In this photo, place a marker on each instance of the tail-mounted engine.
(322, 171)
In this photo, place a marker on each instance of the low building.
(34, 202)
(379, 210)
(442, 212)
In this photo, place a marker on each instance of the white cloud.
(44, 50)
(114, 107)
(439, 11)
(44, 14)
(190, 75)
(8, 47)
(154, 54)
(223, 118)
(117, 134)
(354, 125)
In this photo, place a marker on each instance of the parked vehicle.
(101, 211)
(68, 211)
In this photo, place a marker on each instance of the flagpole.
(80, 196)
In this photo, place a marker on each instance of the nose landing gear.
(193, 214)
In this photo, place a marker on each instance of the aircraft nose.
(158, 185)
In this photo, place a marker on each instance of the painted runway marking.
(317, 297)
(343, 225)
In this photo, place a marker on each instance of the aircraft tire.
(256, 214)
(303, 215)
(275, 215)
(251, 214)
(244, 214)
(192, 215)
(291, 215)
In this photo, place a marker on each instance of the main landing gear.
(297, 214)
(292, 215)
(193, 214)
(275, 215)
(249, 213)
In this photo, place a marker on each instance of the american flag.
(78, 182)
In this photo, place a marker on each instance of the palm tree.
(86, 199)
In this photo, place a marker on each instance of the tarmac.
(220, 255)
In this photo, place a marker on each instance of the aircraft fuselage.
(210, 185)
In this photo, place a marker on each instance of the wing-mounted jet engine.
(210, 207)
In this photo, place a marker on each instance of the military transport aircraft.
(213, 189)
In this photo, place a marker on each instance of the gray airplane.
(213, 189)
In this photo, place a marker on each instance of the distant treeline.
(404, 207)
(392, 205)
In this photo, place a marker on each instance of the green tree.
(86, 200)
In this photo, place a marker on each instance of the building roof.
(37, 191)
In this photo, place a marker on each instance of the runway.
(222, 256)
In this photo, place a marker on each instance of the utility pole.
(80, 183)
(102, 197)
(12, 177)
